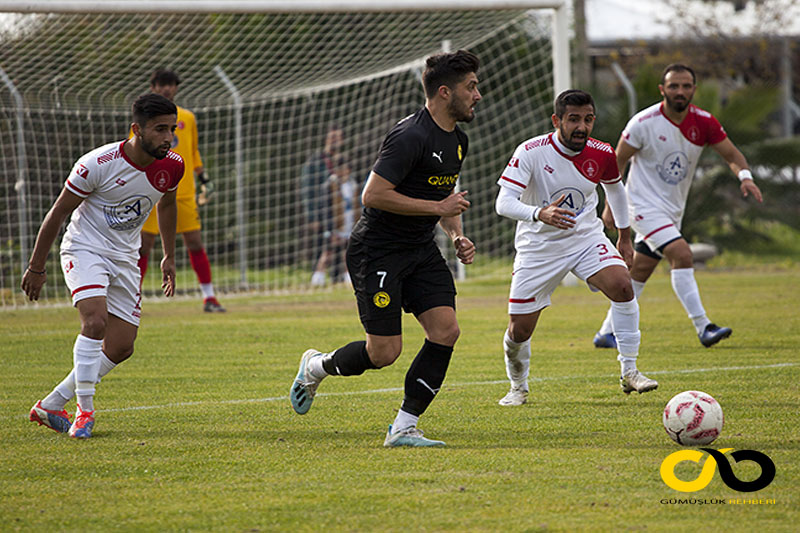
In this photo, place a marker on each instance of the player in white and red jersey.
(550, 188)
(664, 143)
(110, 192)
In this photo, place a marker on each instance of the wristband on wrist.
(36, 272)
(535, 216)
(202, 178)
(745, 174)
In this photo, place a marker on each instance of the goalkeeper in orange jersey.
(165, 83)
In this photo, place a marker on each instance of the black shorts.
(386, 282)
(644, 249)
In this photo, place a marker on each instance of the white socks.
(404, 420)
(518, 361)
(315, 367)
(64, 391)
(318, 279)
(207, 289)
(608, 327)
(626, 364)
(625, 317)
(685, 287)
(86, 356)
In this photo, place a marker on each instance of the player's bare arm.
(738, 164)
(380, 193)
(557, 216)
(625, 245)
(35, 275)
(465, 248)
(167, 222)
(624, 153)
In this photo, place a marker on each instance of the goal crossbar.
(265, 6)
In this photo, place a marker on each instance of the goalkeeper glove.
(206, 189)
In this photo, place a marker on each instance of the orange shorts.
(188, 217)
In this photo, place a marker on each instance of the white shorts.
(534, 279)
(655, 229)
(88, 274)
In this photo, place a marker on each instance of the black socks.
(349, 360)
(425, 377)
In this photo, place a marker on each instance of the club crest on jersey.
(513, 162)
(574, 200)
(129, 214)
(693, 134)
(674, 169)
(161, 179)
(590, 168)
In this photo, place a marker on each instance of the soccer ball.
(693, 418)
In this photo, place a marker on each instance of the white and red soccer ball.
(693, 418)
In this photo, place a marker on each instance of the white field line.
(448, 385)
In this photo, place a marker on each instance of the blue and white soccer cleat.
(605, 341)
(83, 425)
(55, 420)
(408, 437)
(304, 386)
(713, 334)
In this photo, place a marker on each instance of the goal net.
(265, 88)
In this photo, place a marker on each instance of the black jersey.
(423, 161)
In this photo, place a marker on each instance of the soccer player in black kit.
(392, 259)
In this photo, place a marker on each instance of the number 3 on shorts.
(603, 249)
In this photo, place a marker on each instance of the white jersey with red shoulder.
(118, 196)
(541, 170)
(663, 167)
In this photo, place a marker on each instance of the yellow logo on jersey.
(443, 181)
(381, 299)
(459, 152)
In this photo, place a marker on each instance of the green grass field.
(195, 431)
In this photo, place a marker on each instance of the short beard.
(458, 113)
(153, 151)
(678, 107)
(570, 144)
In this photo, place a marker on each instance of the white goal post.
(265, 80)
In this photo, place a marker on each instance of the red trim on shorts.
(521, 300)
(518, 184)
(657, 230)
(86, 287)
